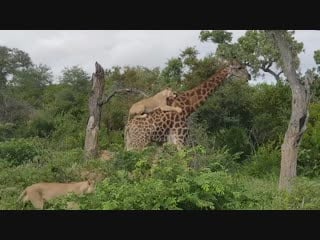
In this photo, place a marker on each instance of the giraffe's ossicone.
(160, 126)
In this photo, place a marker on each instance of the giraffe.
(171, 127)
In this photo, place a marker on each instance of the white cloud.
(150, 48)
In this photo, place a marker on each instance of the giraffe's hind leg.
(178, 137)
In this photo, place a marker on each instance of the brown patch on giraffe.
(160, 132)
(204, 84)
(198, 91)
(163, 125)
(196, 105)
(187, 102)
(203, 91)
(210, 84)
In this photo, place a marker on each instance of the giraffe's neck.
(192, 99)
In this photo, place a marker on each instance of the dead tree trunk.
(300, 89)
(91, 146)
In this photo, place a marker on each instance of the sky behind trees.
(149, 48)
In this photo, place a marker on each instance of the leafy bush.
(18, 151)
(41, 126)
(265, 161)
(69, 133)
(111, 139)
(303, 195)
(7, 131)
(164, 181)
(309, 154)
(236, 139)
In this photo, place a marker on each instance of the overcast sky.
(149, 48)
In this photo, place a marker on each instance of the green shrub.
(160, 181)
(41, 126)
(112, 140)
(18, 151)
(251, 193)
(309, 152)
(303, 195)
(69, 133)
(7, 131)
(236, 139)
(266, 161)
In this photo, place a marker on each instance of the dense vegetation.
(233, 157)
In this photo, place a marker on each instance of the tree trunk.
(300, 89)
(91, 146)
(293, 136)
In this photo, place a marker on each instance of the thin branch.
(268, 70)
(121, 91)
(269, 65)
(279, 73)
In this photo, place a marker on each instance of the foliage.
(167, 184)
(255, 49)
(232, 159)
(316, 57)
(12, 60)
(309, 155)
(265, 161)
(77, 78)
(18, 151)
(30, 84)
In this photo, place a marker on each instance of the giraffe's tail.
(126, 136)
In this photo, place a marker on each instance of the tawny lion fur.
(38, 193)
(150, 104)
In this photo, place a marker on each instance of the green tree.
(71, 94)
(29, 84)
(316, 57)
(316, 84)
(172, 73)
(77, 78)
(254, 49)
(12, 60)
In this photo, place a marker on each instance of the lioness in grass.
(38, 193)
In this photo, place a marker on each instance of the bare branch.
(121, 91)
(269, 65)
(280, 73)
(276, 76)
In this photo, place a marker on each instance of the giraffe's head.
(238, 70)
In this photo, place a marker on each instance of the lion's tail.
(22, 195)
